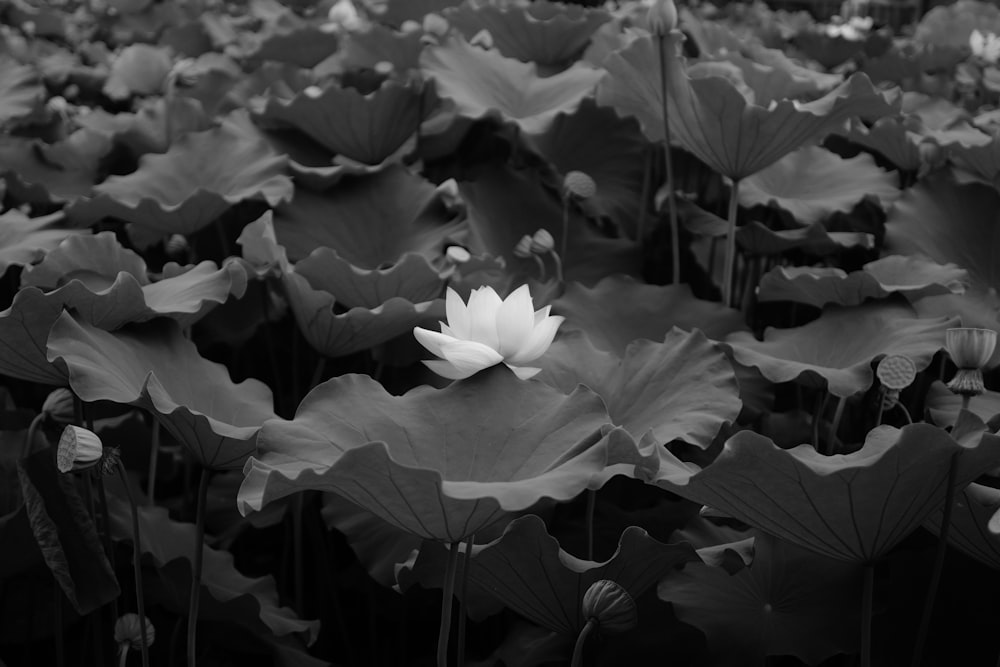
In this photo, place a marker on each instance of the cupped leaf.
(155, 367)
(25, 240)
(619, 309)
(970, 530)
(484, 83)
(811, 183)
(710, 118)
(944, 405)
(770, 608)
(852, 507)
(836, 351)
(200, 177)
(526, 569)
(365, 128)
(544, 32)
(441, 464)
(913, 276)
(681, 389)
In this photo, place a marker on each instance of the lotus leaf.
(941, 120)
(618, 310)
(757, 239)
(770, 608)
(971, 518)
(484, 83)
(811, 183)
(442, 464)
(20, 89)
(304, 46)
(398, 12)
(828, 50)
(978, 163)
(711, 119)
(37, 180)
(951, 25)
(153, 127)
(158, 369)
(944, 406)
(836, 351)
(681, 389)
(140, 69)
(412, 278)
(526, 569)
(913, 276)
(200, 177)
(365, 128)
(366, 48)
(852, 507)
(549, 34)
(25, 240)
(772, 82)
(889, 138)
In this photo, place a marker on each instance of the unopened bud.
(542, 242)
(523, 247)
(579, 184)
(435, 24)
(59, 406)
(662, 17)
(78, 449)
(457, 254)
(176, 246)
(611, 605)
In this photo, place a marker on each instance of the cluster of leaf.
(197, 193)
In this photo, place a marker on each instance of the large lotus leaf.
(950, 223)
(411, 278)
(484, 83)
(34, 178)
(836, 351)
(913, 276)
(140, 69)
(442, 464)
(944, 405)
(890, 138)
(397, 12)
(153, 127)
(941, 120)
(619, 309)
(970, 530)
(526, 569)
(20, 89)
(811, 183)
(25, 240)
(681, 389)
(710, 118)
(94, 260)
(201, 176)
(771, 607)
(155, 367)
(978, 163)
(235, 598)
(758, 239)
(828, 50)
(376, 44)
(611, 162)
(371, 221)
(305, 46)
(771, 83)
(365, 128)
(852, 507)
(543, 32)
(504, 204)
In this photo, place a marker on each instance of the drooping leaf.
(836, 351)
(484, 83)
(681, 389)
(158, 369)
(25, 240)
(33, 178)
(757, 239)
(811, 183)
(770, 608)
(441, 464)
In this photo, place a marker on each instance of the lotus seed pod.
(458, 254)
(128, 629)
(662, 17)
(78, 449)
(542, 242)
(896, 372)
(611, 605)
(59, 406)
(523, 247)
(176, 245)
(970, 348)
(580, 184)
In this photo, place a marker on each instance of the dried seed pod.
(78, 449)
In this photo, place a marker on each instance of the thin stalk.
(565, 225)
(271, 350)
(198, 556)
(154, 455)
(866, 615)
(109, 547)
(675, 235)
(881, 407)
(581, 641)
(140, 601)
(591, 508)
(298, 549)
(463, 616)
(727, 286)
(966, 399)
(942, 549)
(318, 374)
(818, 417)
(30, 437)
(446, 604)
(57, 618)
(647, 178)
(838, 413)
(906, 413)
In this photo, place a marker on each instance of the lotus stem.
(109, 548)
(298, 549)
(966, 399)
(446, 600)
(565, 225)
(838, 414)
(591, 509)
(154, 456)
(30, 436)
(817, 417)
(271, 355)
(318, 374)
(881, 407)
(581, 640)
(727, 287)
(140, 601)
(647, 177)
(906, 413)
(939, 554)
(57, 620)
(463, 616)
(560, 278)
(123, 656)
(675, 235)
(198, 557)
(866, 615)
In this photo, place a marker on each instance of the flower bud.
(579, 184)
(457, 254)
(78, 449)
(523, 247)
(59, 406)
(128, 630)
(542, 242)
(176, 246)
(896, 372)
(435, 24)
(611, 605)
(971, 350)
(662, 17)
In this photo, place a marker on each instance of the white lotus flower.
(488, 331)
(985, 46)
